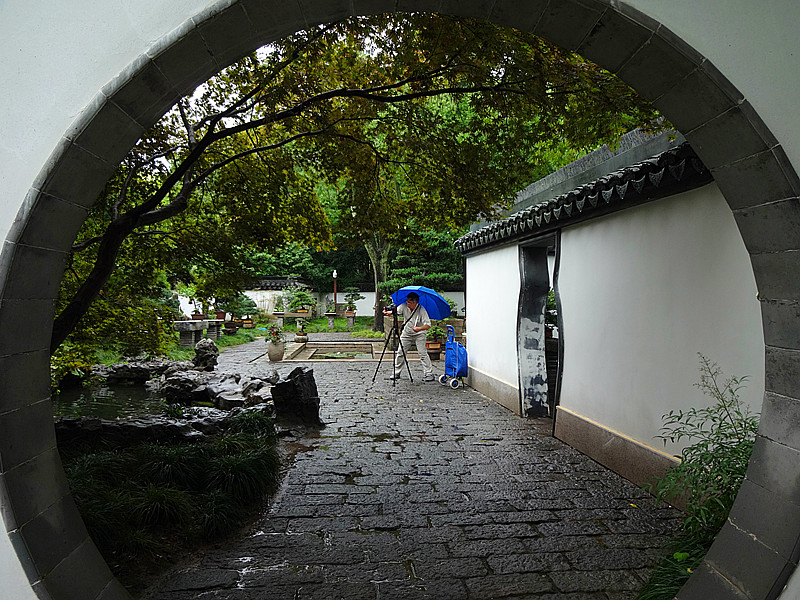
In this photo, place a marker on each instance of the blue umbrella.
(437, 307)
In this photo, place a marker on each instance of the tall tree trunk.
(378, 251)
(103, 268)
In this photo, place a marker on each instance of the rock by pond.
(296, 400)
(206, 354)
(296, 397)
(191, 427)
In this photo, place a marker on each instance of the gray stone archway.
(757, 550)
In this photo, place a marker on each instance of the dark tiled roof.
(671, 172)
(279, 283)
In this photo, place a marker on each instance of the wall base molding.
(625, 456)
(501, 392)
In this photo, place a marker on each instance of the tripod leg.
(385, 345)
(405, 357)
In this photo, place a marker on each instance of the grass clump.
(146, 505)
(708, 477)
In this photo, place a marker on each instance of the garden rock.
(271, 376)
(262, 396)
(137, 371)
(182, 387)
(206, 354)
(229, 401)
(127, 432)
(296, 397)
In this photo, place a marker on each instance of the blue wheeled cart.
(455, 360)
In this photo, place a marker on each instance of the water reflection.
(106, 402)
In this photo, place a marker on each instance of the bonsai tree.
(302, 299)
(331, 307)
(239, 306)
(435, 333)
(301, 326)
(278, 304)
(351, 296)
(453, 305)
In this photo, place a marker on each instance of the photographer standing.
(417, 322)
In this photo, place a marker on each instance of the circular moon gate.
(757, 550)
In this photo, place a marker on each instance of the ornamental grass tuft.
(146, 505)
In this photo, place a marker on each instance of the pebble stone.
(417, 491)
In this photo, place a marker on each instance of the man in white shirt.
(417, 322)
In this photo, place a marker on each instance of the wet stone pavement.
(418, 491)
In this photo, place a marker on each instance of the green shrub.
(366, 333)
(242, 336)
(708, 476)
(179, 465)
(713, 467)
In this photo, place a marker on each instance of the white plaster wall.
(57, 57)
(265, 300)
(755, 44)
(493, 299)
(642, 292)
(13, 581)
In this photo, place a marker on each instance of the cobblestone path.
(420, 491)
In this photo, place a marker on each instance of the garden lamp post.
(335, 274)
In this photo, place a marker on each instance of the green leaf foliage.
(368, 131)
(708, 477)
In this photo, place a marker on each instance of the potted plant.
(351, 296)
(301, 336)
(276, 344)
(330, 312)
(278, 310)
(302, 302)
(433, 341)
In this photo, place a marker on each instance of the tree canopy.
(408, 122)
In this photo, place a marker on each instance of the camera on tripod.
(392, 308)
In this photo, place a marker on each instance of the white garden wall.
(492, 298)
(642, 292)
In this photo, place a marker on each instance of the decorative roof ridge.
(674, 170)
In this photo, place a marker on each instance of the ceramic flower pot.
(275, 351)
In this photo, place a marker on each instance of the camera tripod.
(394, 334)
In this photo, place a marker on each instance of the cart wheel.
(454, 383)
(443, 379)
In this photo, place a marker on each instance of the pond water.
(106, 402)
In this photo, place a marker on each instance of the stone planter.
(275, 351)
(434, 349)
(301, 338)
